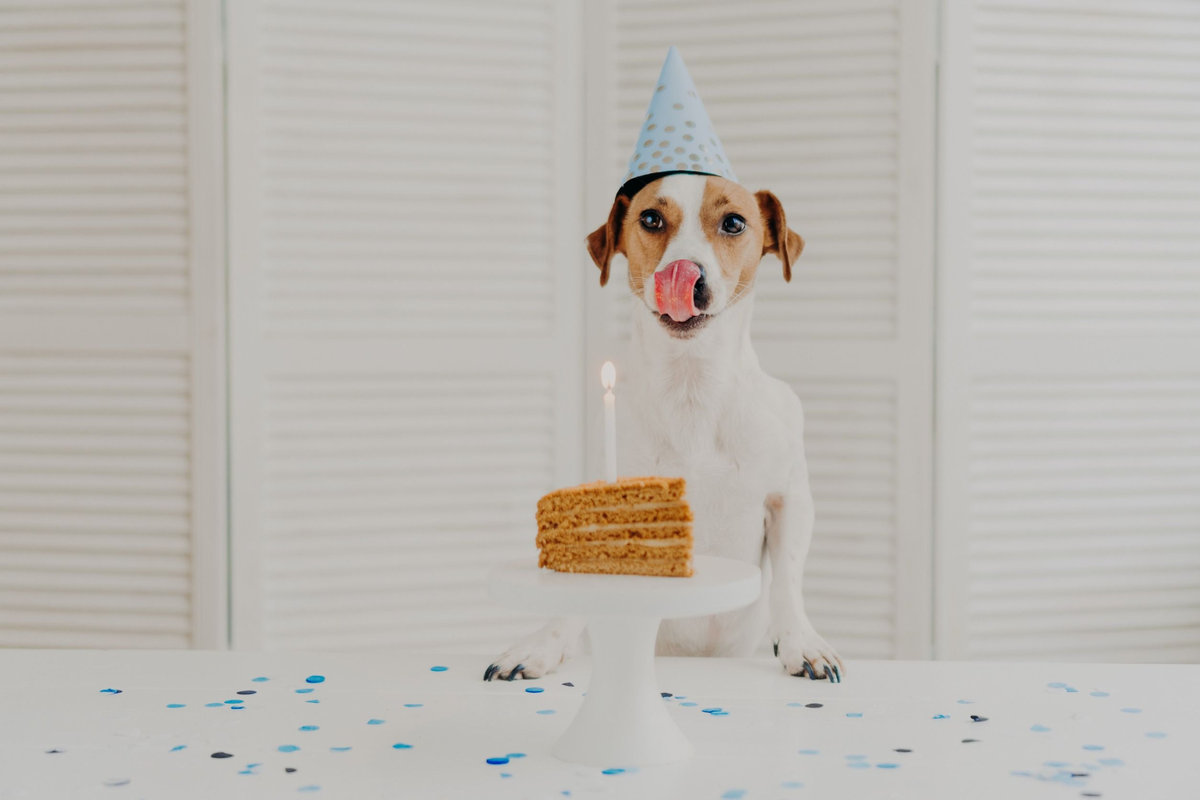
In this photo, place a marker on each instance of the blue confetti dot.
(1112, 762)
(213, 705)
(1132, 710)
(315, 679)
(1093, 747)
(887, 766)
(853, 713)
(1057, 685)
(237, 708)
(1072, 690)
(612, 771)
(288, 748)
(310, 727)
(339, 749)
(498, 760)
(505, 774)
(110, 691)
(535, 690)
(178, 747)
(734, 794)
(711, 710)
(792, 785)
(941, 716)
(413, 705)
(1156, 735)
(375, 722)
(681, 697)
(809, 752)
(176, 705)
(246, 772)
(260, 679)
(689, 704)
(545, 712)
(438, 669)
(401, 746)
(1039, 728)
(304, 691)
(719, 714)
(312, 701)
(234, 702)
(516, 755)
(1098, 694)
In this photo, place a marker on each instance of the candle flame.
(608, 375)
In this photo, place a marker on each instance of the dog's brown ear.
(778, 238)
(605, 242)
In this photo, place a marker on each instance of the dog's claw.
(837, 674)
(490, 671)
(776, 646)
(515, 670)
(828, 676)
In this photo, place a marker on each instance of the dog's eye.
(733, 224)
(651, 220)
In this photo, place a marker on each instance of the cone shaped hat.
(677, 135)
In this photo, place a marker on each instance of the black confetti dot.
(54, 751)
(1090, 794)
(814, 705)
(901, 750)
(247, 691)
(117, 782)
(1079, 774)
(968, 741)
(666, 694)
(977, 718)
(568, 683)
(289, 770)
(222, 754)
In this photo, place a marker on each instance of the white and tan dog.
(699, 405)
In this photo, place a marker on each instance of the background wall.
(381, 205)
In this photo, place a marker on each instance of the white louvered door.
(111, 392)
(406, 312)
(829, 105)
(1069, 332)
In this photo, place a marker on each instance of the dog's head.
(693, 243)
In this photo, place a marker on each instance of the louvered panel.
(93, 159)
(1085, 508)
(407, 168)
(815, 121)
(95, 534)
(850, 441)
(389, 497)
(1085, 165)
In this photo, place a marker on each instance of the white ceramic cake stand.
(623, 720)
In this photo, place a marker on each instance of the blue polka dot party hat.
(677, 135)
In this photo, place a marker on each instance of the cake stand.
(623, 720)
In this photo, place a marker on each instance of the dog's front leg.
(789, 526)
(540, 652)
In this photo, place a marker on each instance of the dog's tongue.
(673, 290)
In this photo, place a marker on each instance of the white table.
(1039, 740)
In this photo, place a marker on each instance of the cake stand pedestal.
(623, 720)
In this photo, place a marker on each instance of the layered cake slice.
(636, 526)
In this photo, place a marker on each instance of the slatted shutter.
(1069, 344)
(830, 106)
(405, 377)
(111, 433)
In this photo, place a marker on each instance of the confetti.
(401, 746)
(178, 747)
(260, 679)
(110, 691)
(438, 669)
(498, 760)
(854, 714)
(248, 691)
(375, 721)
(545, 711)
(176, 705)
(612, 771)
(413, 705)
(221, 754)
(288, 748)
(535, 690)
(315, 679)
(1039, 728)
(814, 705)
(310, 727)
(734, 794)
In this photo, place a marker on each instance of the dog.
(697, 404)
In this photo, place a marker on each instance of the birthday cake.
(633, 526)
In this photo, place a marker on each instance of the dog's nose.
(701, 294)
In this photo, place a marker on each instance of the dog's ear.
(778, 238)
(605, 242)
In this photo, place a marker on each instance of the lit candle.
(608, 378)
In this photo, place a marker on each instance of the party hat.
(677, 135)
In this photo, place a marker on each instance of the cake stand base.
(623, 721)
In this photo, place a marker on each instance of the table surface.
(144, 724)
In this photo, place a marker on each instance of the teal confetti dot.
(734, 794)
(312, 701)
(288, 748)
(260, 679)
(496, 760)
(110, 691)
(438, 669)
(719, 714)
(178, 747)
(339, 749)
(887, 766)
(176, 705)
(612, 771)
(375, 721)
(304, 691)
(310, 727)
(1039, 728)
(414, 705)
(1072, 690)
(401, 746)
(505, 774)
(1093, 747)
(1156, 735)
(315, 679)
(312, 787)
(535, 690)
(234, 702)
(213, 705)
(516, 755)
(1098, 694)
(854, 714)
(941, 716)
(1057, 685)
(689, 704)
(545, 712)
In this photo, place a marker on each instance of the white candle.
(608, 379)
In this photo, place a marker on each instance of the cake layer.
(675, 511)
(661, 567)
(647, 550)
(676, 531)
(602, 494)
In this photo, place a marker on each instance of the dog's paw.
(532, 657)
(808, 655)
